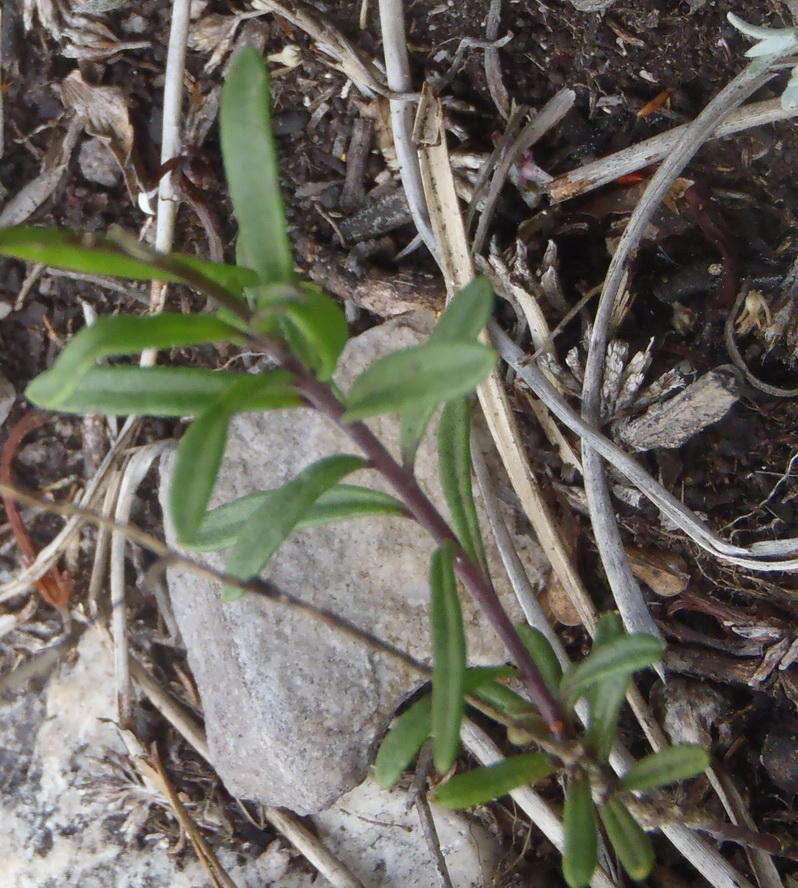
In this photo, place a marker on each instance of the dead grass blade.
(202, 849)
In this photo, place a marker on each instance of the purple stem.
(320, 396)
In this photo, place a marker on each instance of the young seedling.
(262, 305)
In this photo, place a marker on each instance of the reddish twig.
(714, 230)
(55, 586)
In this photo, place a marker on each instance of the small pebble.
(134, 24)
(97, 164)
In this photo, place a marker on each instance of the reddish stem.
(422, 509)
(321, 396)
(54, 586)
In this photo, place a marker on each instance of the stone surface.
(378, 836)
(53, 830)
(292, 708)
(65, 819)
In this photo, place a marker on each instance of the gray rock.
(292, 708)
(70, 817)
(61, 820)
(97, 164)
(377, 835)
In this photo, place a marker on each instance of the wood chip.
(664, 573)
(356, 158)
(671, 423)
(386, 213)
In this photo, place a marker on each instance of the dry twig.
(768, 555)
(419, 794)
(170, 146)
(548, 117)
(623, 584)
(629, 160)
(493, 71)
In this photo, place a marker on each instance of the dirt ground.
(637, 69)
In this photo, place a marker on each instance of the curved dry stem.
(132, 476)
(48, 555)
(397, 70)
(624, 586)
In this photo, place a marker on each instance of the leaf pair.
(603, 676)
(630, 842)
(256, 525)
(440, 714)
(628, 839)
(580, 849)
(120, 336)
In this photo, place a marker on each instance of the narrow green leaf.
(621, 656)
(494, 781)
(463, 318)
(414, 422)
(320, 322)
(414, 725)
(466, 314)
(454, 471)
(168, 391)
(424, 375)
(121, 335)
(631, 844)
(402, 742)
(543, 655)
(279, 514)
(250, 164)
(605, 698)
(346, 501)
(449, 658)
(199, 456)
(477, 677)
(667, 766)
(221, 525)
(201, 449)
(505, 700)
(581, 836)
(608, 628)
(93, 254)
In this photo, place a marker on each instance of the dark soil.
(617, 63)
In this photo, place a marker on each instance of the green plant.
(263, 305)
